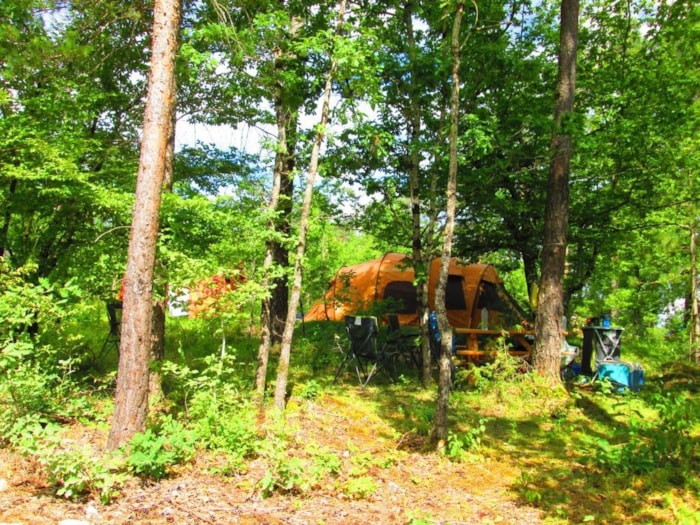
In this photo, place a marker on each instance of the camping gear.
(389, 282)
(404, 343)
(623, 374)
(365, 352)
(607, 342)
(114, 316)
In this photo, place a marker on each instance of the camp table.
(472, 351)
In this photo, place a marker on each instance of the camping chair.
(364, 351)
(403, 345)
(114, 315)
(607, 344)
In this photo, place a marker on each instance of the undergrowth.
(570, 446)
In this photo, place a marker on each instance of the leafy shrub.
(35, 378)
(76, 473)
(458, 444)
(153, 452)
(288, 473)
(222, 417)
(73, 473)
(650, 443)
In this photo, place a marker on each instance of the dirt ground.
(414, 487)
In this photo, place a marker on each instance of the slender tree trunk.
(285, 351)
(414, 183)
(550, 302)
(274, 308)
(131, 397)
(439, 434)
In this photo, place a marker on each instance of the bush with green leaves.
(216, 404)
(459, 443)
(36, 375)
(154, 452)
(73, 472)
(295, 473)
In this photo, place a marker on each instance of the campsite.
(305, 262)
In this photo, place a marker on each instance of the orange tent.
(386, 285)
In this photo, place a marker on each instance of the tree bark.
(414, 182)
(439, 433)
(285, 350)
(550, 301)
(274, 308)
(160, 302)
(131, 397)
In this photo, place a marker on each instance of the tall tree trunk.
(160, 302)
(274, 308)
(439, 434)
(414, 183)
(550, 301)
(286, 349)
(279, 292)
(131, 397)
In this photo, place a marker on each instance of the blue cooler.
(625, 374)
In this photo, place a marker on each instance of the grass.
(584, 455)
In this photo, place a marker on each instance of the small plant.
(310, 390)
(73, 473)
(459, 444)
(296, 475)
(531, 495)
(76, 473)
(416, 520)
(360, 488)
(152, 453)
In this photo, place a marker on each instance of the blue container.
(623, 374)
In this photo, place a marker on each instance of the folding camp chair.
(607, 344)
(114, 316)
(402, 344)
(364, 350)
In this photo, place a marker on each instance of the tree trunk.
(414, 183)
(274, 308)
(285, 350)
(131, 397)
(439, 434)
(160, 302)
(550, 301)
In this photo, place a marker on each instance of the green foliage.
(77, 473)
(650, 442)
(74, 473)
(154, 452)
(292, 474)
(221, 415)
(459, 444)
(36, 377)
(361, 487)
(500, 373)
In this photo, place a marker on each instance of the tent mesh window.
(493, 299)
(454, 294)
(404, 295)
